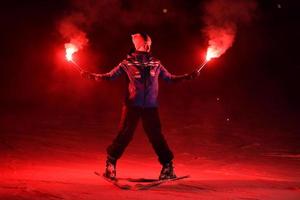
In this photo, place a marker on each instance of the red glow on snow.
(70, 50)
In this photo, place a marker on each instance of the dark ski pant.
(151, 124)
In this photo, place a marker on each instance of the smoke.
(222, 18)
(109, 16)
(75, 37)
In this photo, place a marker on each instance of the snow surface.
(46, 157)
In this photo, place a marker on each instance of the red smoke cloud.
(222, 18)
(110, 15)
(75, 37)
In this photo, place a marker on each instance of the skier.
(142, 71)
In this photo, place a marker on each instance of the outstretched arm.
(167, 76)
(112, 75)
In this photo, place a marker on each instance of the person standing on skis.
(142, 71)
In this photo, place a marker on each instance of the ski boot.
(110, 169)
(167, 172)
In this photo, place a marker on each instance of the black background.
(257, 76)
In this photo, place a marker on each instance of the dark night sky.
(260, 70)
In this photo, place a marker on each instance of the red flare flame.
(212, 52)
(70, 50)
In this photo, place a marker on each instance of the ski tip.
(97, 173)
(186, 176)
(179, 177)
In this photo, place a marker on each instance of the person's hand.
(193, 75)
(88, 75)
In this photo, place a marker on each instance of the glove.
(192, 75)
(88, 75)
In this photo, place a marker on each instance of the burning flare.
(70, 50)
(212, 52)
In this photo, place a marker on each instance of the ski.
(146, 186)
(140, 183)
(115, 182)
(139, 180)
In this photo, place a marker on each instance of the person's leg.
(128, 124)
(152, 127)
